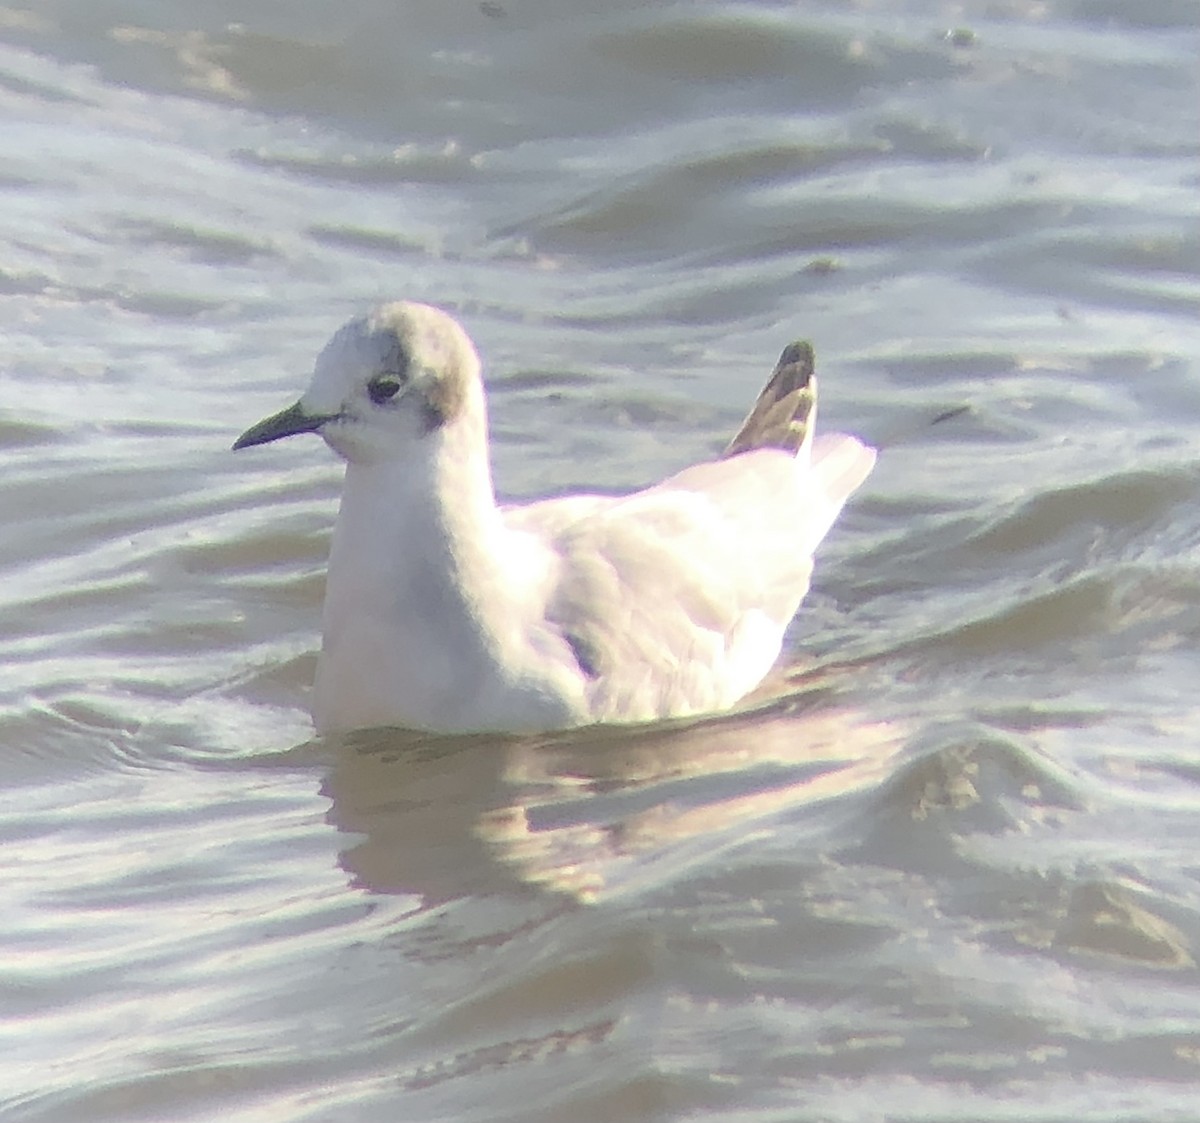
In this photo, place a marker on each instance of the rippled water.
(943, 870)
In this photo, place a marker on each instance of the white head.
(383, 383)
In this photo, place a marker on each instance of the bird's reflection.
(588, 812)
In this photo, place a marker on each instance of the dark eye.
(384, 387)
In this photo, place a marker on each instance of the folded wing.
(675, 599)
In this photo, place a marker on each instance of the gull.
(445, 611)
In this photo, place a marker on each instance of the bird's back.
(675, 599)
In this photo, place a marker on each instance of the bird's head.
(384, 382)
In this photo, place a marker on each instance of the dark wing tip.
(783, 412)
(800, 356)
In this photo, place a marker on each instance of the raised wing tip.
(797, 361)
(783, 415)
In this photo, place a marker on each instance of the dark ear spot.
(444, 399)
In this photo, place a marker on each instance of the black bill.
(286, 423)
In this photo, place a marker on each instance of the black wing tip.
(798, 351)
(783, 412)
(800, 361)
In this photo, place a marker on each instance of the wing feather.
(675, 599)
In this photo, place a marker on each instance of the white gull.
(446, 612)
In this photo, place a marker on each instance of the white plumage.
(444, 611)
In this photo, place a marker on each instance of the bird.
(448, 612)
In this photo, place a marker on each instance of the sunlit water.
(943, 869)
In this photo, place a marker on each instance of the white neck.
(421, 555)
(430, 516)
